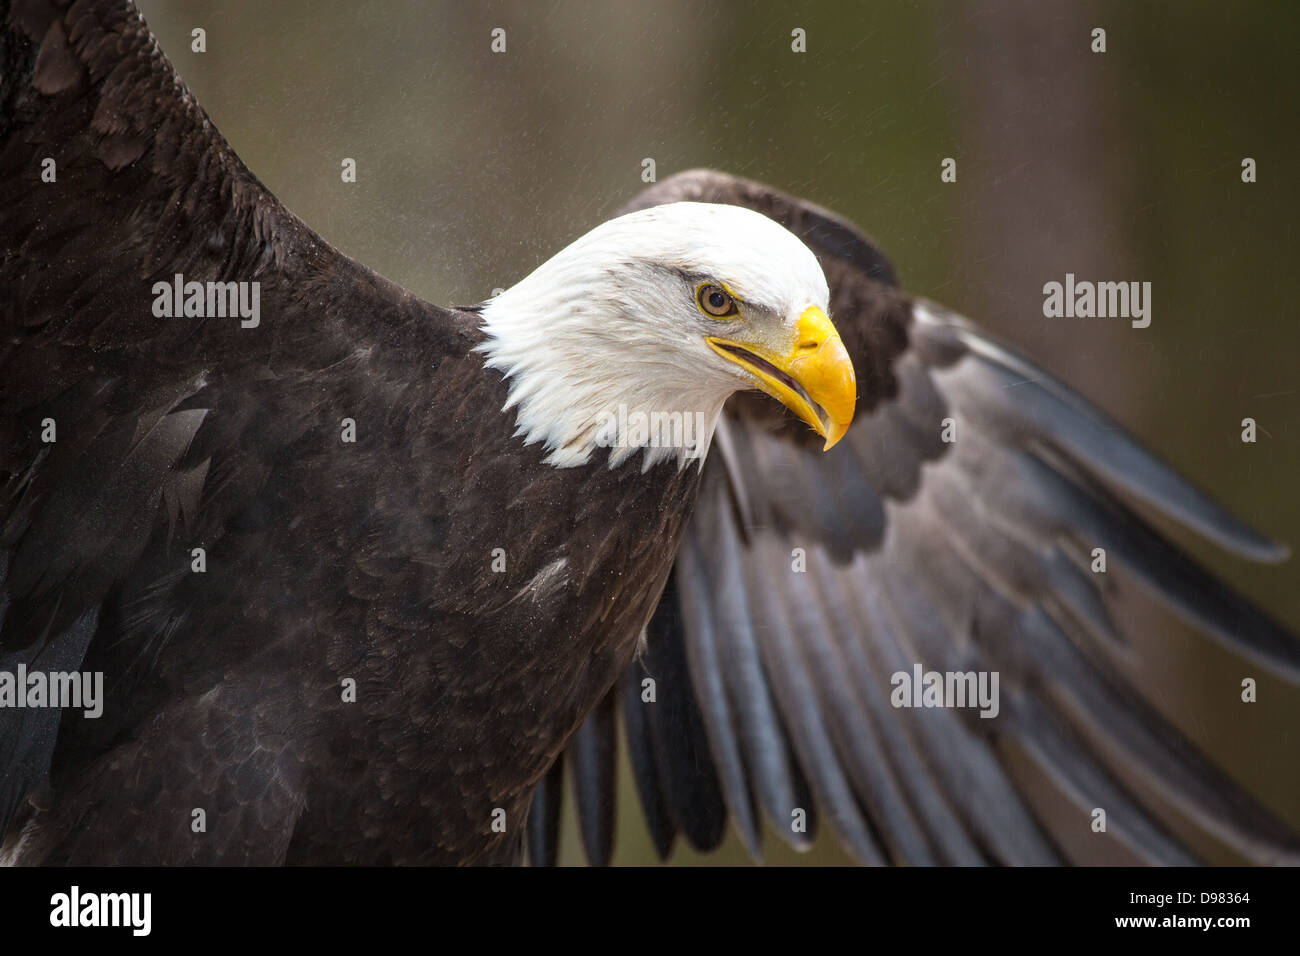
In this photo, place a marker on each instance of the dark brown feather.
(961, 556)
(326, 561)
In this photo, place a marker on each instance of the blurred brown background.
(473, 167)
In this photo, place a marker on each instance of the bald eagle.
(361, 575)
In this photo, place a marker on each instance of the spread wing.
(807, 580)
(126, 438)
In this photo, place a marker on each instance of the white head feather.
(612, 322)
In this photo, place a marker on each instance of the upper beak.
(814, 379)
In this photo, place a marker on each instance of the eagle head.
(659, 316)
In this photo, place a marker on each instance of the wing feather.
(970, 555)
(162, 425)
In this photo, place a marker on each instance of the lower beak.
(814, 380)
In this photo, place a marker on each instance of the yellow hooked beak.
(814, 380)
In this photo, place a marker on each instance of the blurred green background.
(474, 167)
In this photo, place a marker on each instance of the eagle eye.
(715, 301)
